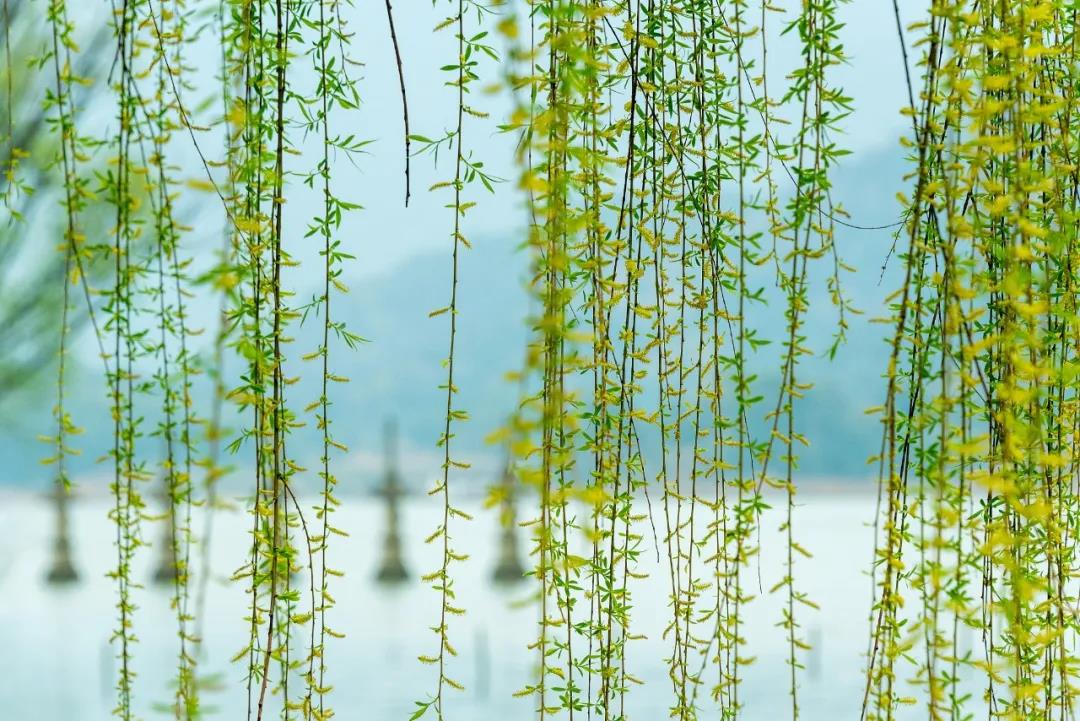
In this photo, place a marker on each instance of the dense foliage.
(678, 198)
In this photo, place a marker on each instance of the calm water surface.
(56, 663)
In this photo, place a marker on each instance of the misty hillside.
(398, 372)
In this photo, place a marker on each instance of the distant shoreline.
(854, 488)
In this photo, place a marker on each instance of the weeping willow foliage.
(468, 171)
(978, 495)
(675, 197)
(646, 225)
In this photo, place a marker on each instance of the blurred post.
(165, 569)
(508, 568)
(392, 567)
(61, 569)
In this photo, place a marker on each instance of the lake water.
(56, 663)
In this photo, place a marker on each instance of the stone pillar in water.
(391, 567)
(165, 568)
(61, 569)
(508, 568)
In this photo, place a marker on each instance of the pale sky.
(386, 237)
(387, 233)
(874, 78)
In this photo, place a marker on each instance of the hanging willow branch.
(467, 171)
(404, 98)
(977, 459)
(673, 273)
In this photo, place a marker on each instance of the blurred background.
(55, 660)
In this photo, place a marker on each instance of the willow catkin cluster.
(975, 545)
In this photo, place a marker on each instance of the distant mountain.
(398, 373)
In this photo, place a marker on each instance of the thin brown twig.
(404, 99)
